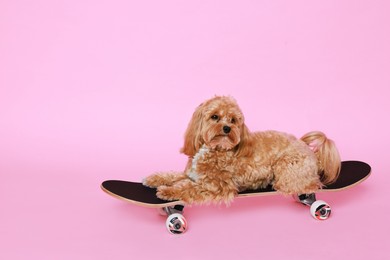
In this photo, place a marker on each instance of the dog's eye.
(233, 121)
(214, 117)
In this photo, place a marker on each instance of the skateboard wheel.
(320, 210)
(176, 224)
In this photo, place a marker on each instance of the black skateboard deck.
(351, 174)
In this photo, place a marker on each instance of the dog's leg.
(165, 179)
(295, 173)
(191, 192)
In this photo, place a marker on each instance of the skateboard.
(352, 173)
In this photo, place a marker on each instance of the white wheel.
(176, 224)
(320, 210)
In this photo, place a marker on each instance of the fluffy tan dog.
(226, 158)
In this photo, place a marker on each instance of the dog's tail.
(328, 157)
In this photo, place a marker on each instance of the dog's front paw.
(152, 181)
(167, 193)
(163, 179)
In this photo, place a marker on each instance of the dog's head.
(219, 124)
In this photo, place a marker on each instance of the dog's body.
(225, 158)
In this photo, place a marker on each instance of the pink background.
(96, 90)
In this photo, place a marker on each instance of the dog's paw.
(167, 193)
(152, 181)
(163, 179)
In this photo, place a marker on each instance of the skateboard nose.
(226, 129)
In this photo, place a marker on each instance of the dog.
(225, 158)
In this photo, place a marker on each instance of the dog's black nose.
(226, 129)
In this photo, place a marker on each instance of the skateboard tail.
(135, 193)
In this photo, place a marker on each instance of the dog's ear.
(245, 147)
(192, 138)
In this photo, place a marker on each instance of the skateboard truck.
(175, 223)
(319, 209)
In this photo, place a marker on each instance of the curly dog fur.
(226, 158)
